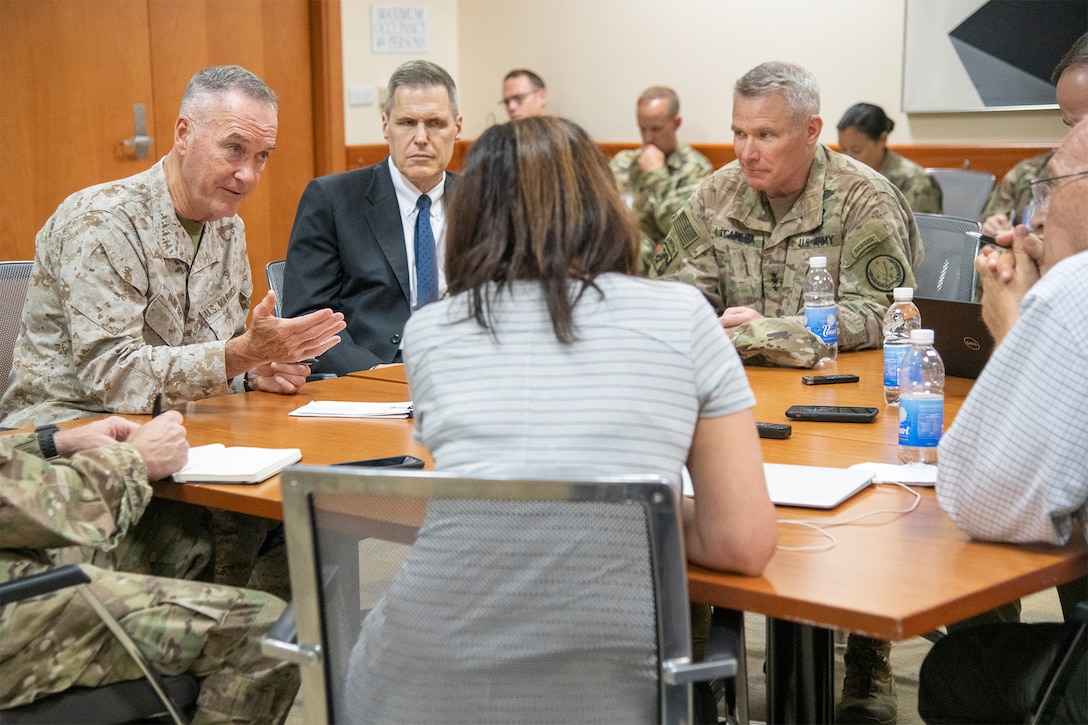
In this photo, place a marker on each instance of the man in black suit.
(361, 244)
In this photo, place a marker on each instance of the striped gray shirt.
(649, 360)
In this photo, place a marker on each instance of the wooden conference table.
(894, 577)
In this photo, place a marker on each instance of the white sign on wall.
(399, 29)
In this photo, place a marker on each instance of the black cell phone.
(832, 413)
(390, 462)
(778, 431)
(828, 379)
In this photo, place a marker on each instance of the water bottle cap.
(903, 293)
(817, 262)
(921, 337)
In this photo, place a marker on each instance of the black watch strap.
(45, 440)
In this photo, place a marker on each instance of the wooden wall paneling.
(271, 38)
(995, 159)
(326, 57)
(70, 73)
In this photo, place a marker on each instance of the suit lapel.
(382, 214)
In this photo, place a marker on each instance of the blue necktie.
(426, 269)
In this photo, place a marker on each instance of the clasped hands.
(1007, 271)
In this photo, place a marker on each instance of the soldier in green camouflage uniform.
(726, 242)
(85, 504)
(142, 287)
(745, 237)
(1012, 195)
(863, 136)
(921, 190)
(657, 178)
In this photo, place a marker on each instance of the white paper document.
(340, 409)
(217, 463)
(910, 474)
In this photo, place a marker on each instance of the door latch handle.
(140, 141)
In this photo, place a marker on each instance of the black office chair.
(963, 192)
(948, 270)
(153, 699)
(273, 271)
(1060, 676)
(14, 277)
(352, 536)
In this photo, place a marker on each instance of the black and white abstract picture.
(986, 55)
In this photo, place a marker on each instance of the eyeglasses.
(518, 99)
(1041, 189)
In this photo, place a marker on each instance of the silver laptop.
(813, 486)
(959, 335)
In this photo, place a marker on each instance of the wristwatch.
(45, 435)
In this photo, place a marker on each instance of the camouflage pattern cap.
(777, 342)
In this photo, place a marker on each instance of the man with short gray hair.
(745, 237)
(370, 243)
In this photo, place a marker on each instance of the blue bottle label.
(893, 356)
(824, 322)
(921, 421)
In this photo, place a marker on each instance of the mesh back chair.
(517, 600)
(13, 281)
(274, 272)
(154, 697)
(963, 193)
(948, 270)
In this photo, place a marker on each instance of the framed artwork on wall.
(986, 55)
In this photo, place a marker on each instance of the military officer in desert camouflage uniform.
(1011, 197)
(83, 505)
(744, 238)
(141, 287)
(658, 177)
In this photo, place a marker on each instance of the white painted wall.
(598, 55)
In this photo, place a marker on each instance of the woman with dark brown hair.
(551, 358)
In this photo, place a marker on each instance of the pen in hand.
(984, 238)
(156, 407)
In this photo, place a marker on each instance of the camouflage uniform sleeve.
(1013, 192)
(667, 192)
(687, 254)
(111, 301)
(90, 499)
(880, 247)
(923, 194)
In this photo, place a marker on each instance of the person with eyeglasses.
(524, 94)
(1010, 201)
(1003, 480)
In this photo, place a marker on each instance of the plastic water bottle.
(921, 400)
(821, 317)
(900, 319)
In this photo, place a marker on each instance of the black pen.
(156, 407)
(984, 238)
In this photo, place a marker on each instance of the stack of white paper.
(338, 409)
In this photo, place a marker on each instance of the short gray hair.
(220, 80)
(420, 74)
(798, 85)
